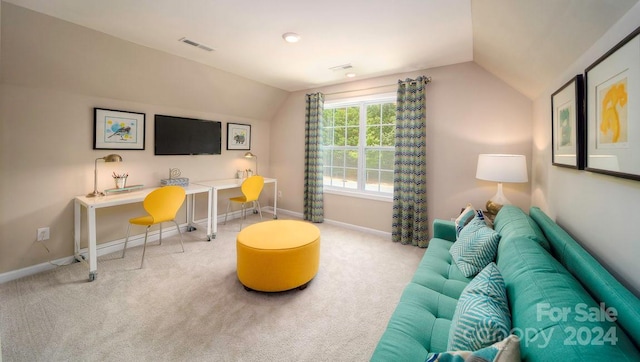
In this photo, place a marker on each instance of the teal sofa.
(564, 305)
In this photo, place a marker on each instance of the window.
(358, 145)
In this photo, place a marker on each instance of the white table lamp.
(501, 168)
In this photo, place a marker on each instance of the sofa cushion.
(511, 221)
(593, 276)
(548, 308)
(507, 350)
(482, 315)
(476, 247)
(438, 272)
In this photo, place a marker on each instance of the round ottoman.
(278, 255)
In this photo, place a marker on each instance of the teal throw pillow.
(482, 314)
(507, 350)
(476, 247)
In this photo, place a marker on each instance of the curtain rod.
(427, 80)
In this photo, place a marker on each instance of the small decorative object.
(175, 179)
(118, 130)
(567, 125)
(238, 136)
(239, 174)
(613, 97)
(121, 180)
(249, 172)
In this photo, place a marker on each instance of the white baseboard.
(137, 240)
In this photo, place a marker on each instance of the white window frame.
(363, 102)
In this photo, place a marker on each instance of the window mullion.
(362, 142)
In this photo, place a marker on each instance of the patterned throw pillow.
(476, 247)
(507, 350)
(464, 218)
(482, 314)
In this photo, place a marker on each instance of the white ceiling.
(524, 42)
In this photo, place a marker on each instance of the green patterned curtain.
(313, 197)
(410, 224)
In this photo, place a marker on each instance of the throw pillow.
(476, 247)
(464, 218)
(482, 314)
(507, 350)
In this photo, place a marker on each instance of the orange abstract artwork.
(613, 124)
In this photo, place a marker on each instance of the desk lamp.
(501, 168)
(251, 155)
(108, 158)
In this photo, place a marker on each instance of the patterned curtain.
(313, 197)
(410, 225)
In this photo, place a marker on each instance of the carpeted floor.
(190, 306)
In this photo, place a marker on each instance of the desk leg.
(275, 199)
(77, 218)
(93, 252)
(209, 221)
(191, 211)
(214, 207)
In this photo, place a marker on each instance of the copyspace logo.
(591, 333)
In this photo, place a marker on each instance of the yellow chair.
(162, 205)
(251, 189)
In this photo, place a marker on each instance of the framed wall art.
(118, 130)
(567, 124)
(238, 136)
(613, 111)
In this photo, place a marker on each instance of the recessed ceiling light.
(291, 37)
(350, 75)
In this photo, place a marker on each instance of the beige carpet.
(190, 306)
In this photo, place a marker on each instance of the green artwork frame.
(567, 124)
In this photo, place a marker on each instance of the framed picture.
(238, 136)
(567, 124)
(613, 111)
(118, 130)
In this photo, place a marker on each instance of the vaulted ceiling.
(524, 42)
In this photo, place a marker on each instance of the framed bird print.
(118, 130)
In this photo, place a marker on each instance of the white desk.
(233, 183)
(93, 203)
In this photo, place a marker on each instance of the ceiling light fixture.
(350, 75)
(291, 37)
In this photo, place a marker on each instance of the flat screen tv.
(186, 136)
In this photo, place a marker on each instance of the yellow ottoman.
(278, 255)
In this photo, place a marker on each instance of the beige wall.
(53, 74)
(469, 111)
(599, 211)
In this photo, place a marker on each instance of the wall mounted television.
(187, 136)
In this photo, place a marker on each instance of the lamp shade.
(112, 158)
(502, 168)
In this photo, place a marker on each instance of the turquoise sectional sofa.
(564, 305)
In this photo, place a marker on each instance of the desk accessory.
(120, 179)
(107, 158)
(175, 179)
(122, 190)
(251, 155)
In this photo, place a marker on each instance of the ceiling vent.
(196, 44)
(341, 67)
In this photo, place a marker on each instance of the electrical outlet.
(279, 194)
(43, 233)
